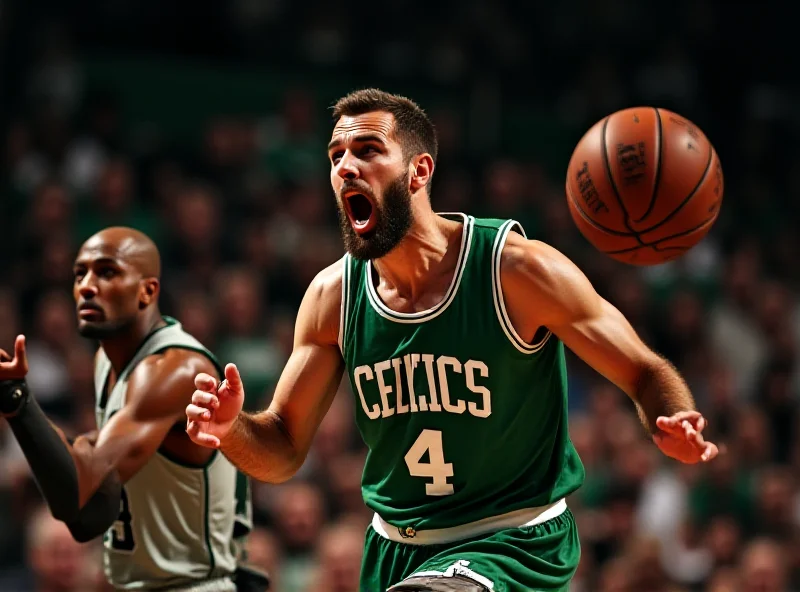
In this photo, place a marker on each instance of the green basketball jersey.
(463, 419)
(179, 525)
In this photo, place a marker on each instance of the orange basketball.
(644, 185)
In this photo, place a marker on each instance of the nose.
(87, 289)
(346, 168)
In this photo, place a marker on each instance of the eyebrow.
(361, 139)
(101, 260)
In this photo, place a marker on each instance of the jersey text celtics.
(401, 397)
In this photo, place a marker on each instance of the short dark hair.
(413, 127)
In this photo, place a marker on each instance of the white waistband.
(516, 519)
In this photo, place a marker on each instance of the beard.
(104, 329)
(393, 219)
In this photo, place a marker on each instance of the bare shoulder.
(327, 284)
(541, 285)
(318, 318)
(535, 265)
(166, 380)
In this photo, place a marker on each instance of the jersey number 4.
(121, 531)
(430, 441)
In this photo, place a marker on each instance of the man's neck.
(121, 348)
(430, 248)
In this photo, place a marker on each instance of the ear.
(421, 171)
(149, 292)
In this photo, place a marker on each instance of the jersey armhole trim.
(345, 308)
(497, 292)
(160, 450)
(192, 348)
(212, 563)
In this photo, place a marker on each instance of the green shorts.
(536, 558)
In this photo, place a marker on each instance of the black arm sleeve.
(53, 468)
(99, 513)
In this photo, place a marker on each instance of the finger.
(202, 438)
(673, 423)
(205, 439)
(693, 436)
(233, 378)
(690, 433)
(192, 428)
(20, 354)
(4, 357)
(701, 424)
(688, 430)
(204, 399)
(682, 416)
(197, 413)
(205, 382)
(678, 418)
(665, 423)
(710, 453)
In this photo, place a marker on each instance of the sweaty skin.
(541, 287)
(117, 286)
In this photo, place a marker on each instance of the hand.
(16, 368)
(214, 407)
(680, 437)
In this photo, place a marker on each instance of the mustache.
(350, 185)
(89, 306)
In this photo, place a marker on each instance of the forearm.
(52, 462)
(661, 391)
(260, 446)
(49, 457)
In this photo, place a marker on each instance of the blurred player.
(452, 331)
(171, 510)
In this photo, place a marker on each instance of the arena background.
(204, 125)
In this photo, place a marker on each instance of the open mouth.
(360, 211)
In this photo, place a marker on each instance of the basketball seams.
(655, 244)
(655, 247)
(660, 147)
(592, 221)
(688, 198)
(612, 183)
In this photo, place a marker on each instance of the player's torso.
(176, 521)
(463, 420)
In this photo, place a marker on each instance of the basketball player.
(452, 331)
(170, 509)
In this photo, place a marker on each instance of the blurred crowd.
(245, 218)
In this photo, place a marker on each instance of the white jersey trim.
(516, 519)
(497, 293)
(344, 310)
(439, 308)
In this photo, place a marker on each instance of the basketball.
(644, 185)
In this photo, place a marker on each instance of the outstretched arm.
(272, 445)
(81, 481)
(544, 288)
